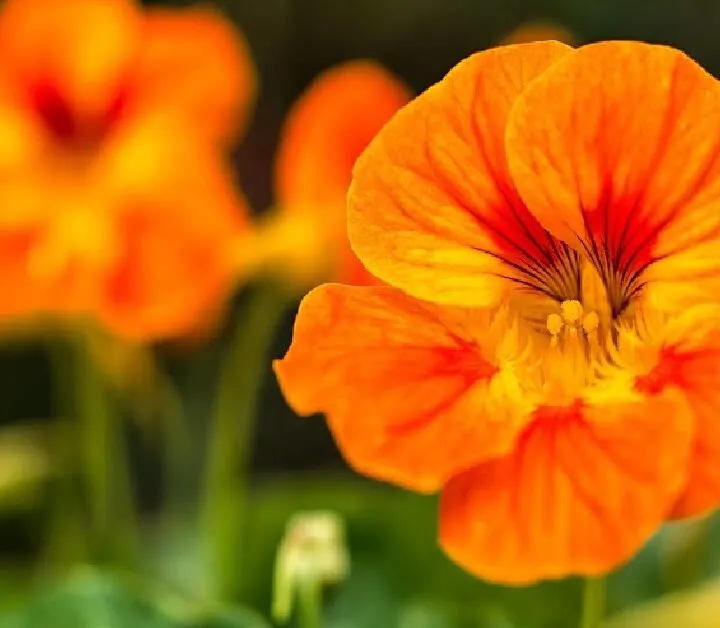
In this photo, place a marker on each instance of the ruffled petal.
(413, 393)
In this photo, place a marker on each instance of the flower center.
(567, 354)
(70, 128)
(570, 321)
(79, 231)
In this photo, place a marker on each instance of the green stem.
(241, 376)
(95, 518)
(66, 544)
(103, 465)
(178, 449)
(310, 603)
(593, 603)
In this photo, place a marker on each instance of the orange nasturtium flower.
(325, 131)
(115, 199)
(547, 351)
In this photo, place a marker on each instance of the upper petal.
(194, 61)
(413, 393)
(585, 487)
(431, 208)
(624, 161)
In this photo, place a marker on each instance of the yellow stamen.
(554, 324)
(591, 322)
(572, 311)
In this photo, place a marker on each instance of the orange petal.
(194, 61)
(154, 157)
(180, 218)
(688, 358)
(586, 486)
(324, 133)
(21, 295)
(431, 208)
(25, 162)
(168, 281)
(79, 47)
(625, 157)
(539, 30)
(702, 493)
(413, 393)
(350, 270)
(328, 127)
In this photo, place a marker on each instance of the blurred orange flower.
(115, 197)
(549, 352)
(324, 133)
(538, 30)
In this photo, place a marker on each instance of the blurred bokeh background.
(391, 534)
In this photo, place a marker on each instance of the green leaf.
(87, 601)
(366, 600)
(96, 600)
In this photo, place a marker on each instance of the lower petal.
(585, 487)
(170, 281)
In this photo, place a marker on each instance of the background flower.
(116, 200)
(324, 133)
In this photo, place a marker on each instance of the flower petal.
(585, 487)
(539, 30)
(180, 218)
(168, 281)
(25, 165)
(413, 393)
(328, 127)
(195, 61)
(323, 135)
(688, 359)
(431, 208)
(81, 47)
(21, 295)
(625, 158)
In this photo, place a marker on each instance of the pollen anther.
(554, 324)
(591, 322)
(572, 311)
